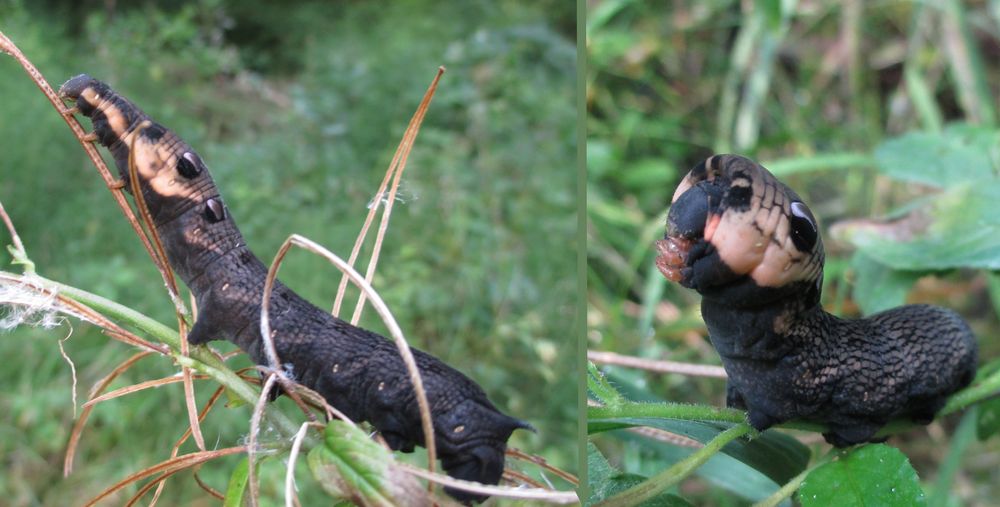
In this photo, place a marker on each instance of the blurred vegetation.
(297, 108)
(867, 110)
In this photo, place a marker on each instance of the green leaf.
(959, 230)
(878, 287)
(351, 465)
(988, 422)
(959, 153)
(599, 386)
(722, 470)
(774, 455)
(605, 481)
(874, 474)
(237, 484)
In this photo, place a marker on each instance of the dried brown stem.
(258, 412)
(557, 497)
(141, 386)
(67, 115)
(381, 191)
(404, 349)
(167, 468)
(187, 433)
(540, 461)
(74, 436)
(697, 370)
(402, 154)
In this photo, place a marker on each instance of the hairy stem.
(200, 359)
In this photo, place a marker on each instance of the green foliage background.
(297, 108)
(855, 105)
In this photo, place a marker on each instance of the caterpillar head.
(472, 440)
(733, 226)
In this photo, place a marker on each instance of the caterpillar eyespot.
(227, 282)
(189, 165)
(214, 210)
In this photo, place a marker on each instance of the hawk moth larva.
(358, 372)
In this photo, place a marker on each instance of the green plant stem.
(667, 411)
(785, 491)
(201, 359)
(671, 476)
(601, 388)
(620, 409)
(964, 435)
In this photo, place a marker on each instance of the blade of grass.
(67, 115)
(81, 422)
(966, 65)
(556, 497)
(149, 384)
(169, 466)
(673, 475)
(404, 153)
(395, 171)
(187, 433)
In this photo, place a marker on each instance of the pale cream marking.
(774, 217)
(157, 165)
(336, 368)
(685, 184)
(736, 241)
(458, 429)
(116, 120)
(381, 386)
(768, 194)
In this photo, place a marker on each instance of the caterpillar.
(357, 371)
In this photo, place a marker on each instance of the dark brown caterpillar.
(752, 248)
(359, 372)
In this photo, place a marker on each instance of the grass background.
(297, 109)
(813, 88)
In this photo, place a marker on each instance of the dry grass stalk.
(402, 154)
(695, 370)
(539, 461)
(67, 115)
(396, 167)
(166, 468)
(556, 497)
(380, 307)
(258, 412)
(149, 384)
(293, 455)
(74, 436)
(180, 441)
(161, 260)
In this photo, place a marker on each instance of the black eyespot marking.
(804, 231)
(189, 165)
(739, 196)
(153, 133)
(215, 211)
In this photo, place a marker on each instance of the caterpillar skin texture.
(359, 372)
(752, 248)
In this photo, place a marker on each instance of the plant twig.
(402, 153)
(659, 366)
(395, 168)
(659, 483)
(110, 181)
(383, 311)
(169, 466)
(17, 249)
